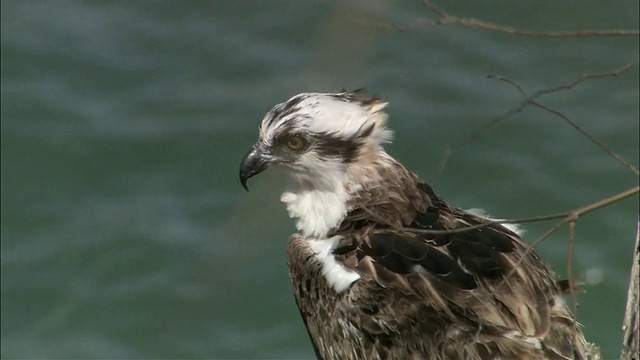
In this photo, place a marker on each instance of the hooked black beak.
(253, 163)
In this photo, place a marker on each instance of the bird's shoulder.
(428, 280)
(486, 277)
(432, 258)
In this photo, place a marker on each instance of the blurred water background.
(125, 232)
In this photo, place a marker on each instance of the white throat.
(318, 206)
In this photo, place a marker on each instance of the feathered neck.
(318, 204)
(391, 196)
(375, 188)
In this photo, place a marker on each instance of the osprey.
(380, 268)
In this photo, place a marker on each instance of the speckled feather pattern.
(434, 297)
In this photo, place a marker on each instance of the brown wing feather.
(482, 281)
(444, 296)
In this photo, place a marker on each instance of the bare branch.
(488, 223)
(585, 76)
(572, 230)
(588, 136)
(508, 81)
(446, 18)
(572, 216)
(631, 333)
(613, 73)
(565, 216)
(531, 100)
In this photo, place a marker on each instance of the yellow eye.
(295, 142)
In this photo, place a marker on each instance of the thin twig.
(572, 293)
(509, 81)
(630, 331)
(588, 136)
(532, 100)
(572, 229)
(565, 216)
(446, 18)
(573, 216)
(488, 223)
(613, 73)
(528, 99)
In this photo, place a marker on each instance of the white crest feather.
(333, 114)
(325, 114)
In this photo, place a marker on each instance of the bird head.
(317, 137)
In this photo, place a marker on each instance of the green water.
(125, 232)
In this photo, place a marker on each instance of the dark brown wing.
(481, 285)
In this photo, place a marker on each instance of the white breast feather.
(316, 212)
(318, 209)
(337, 275)
(318, 204)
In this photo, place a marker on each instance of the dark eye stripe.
(338, 148)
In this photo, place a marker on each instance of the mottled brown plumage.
(386, 287)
